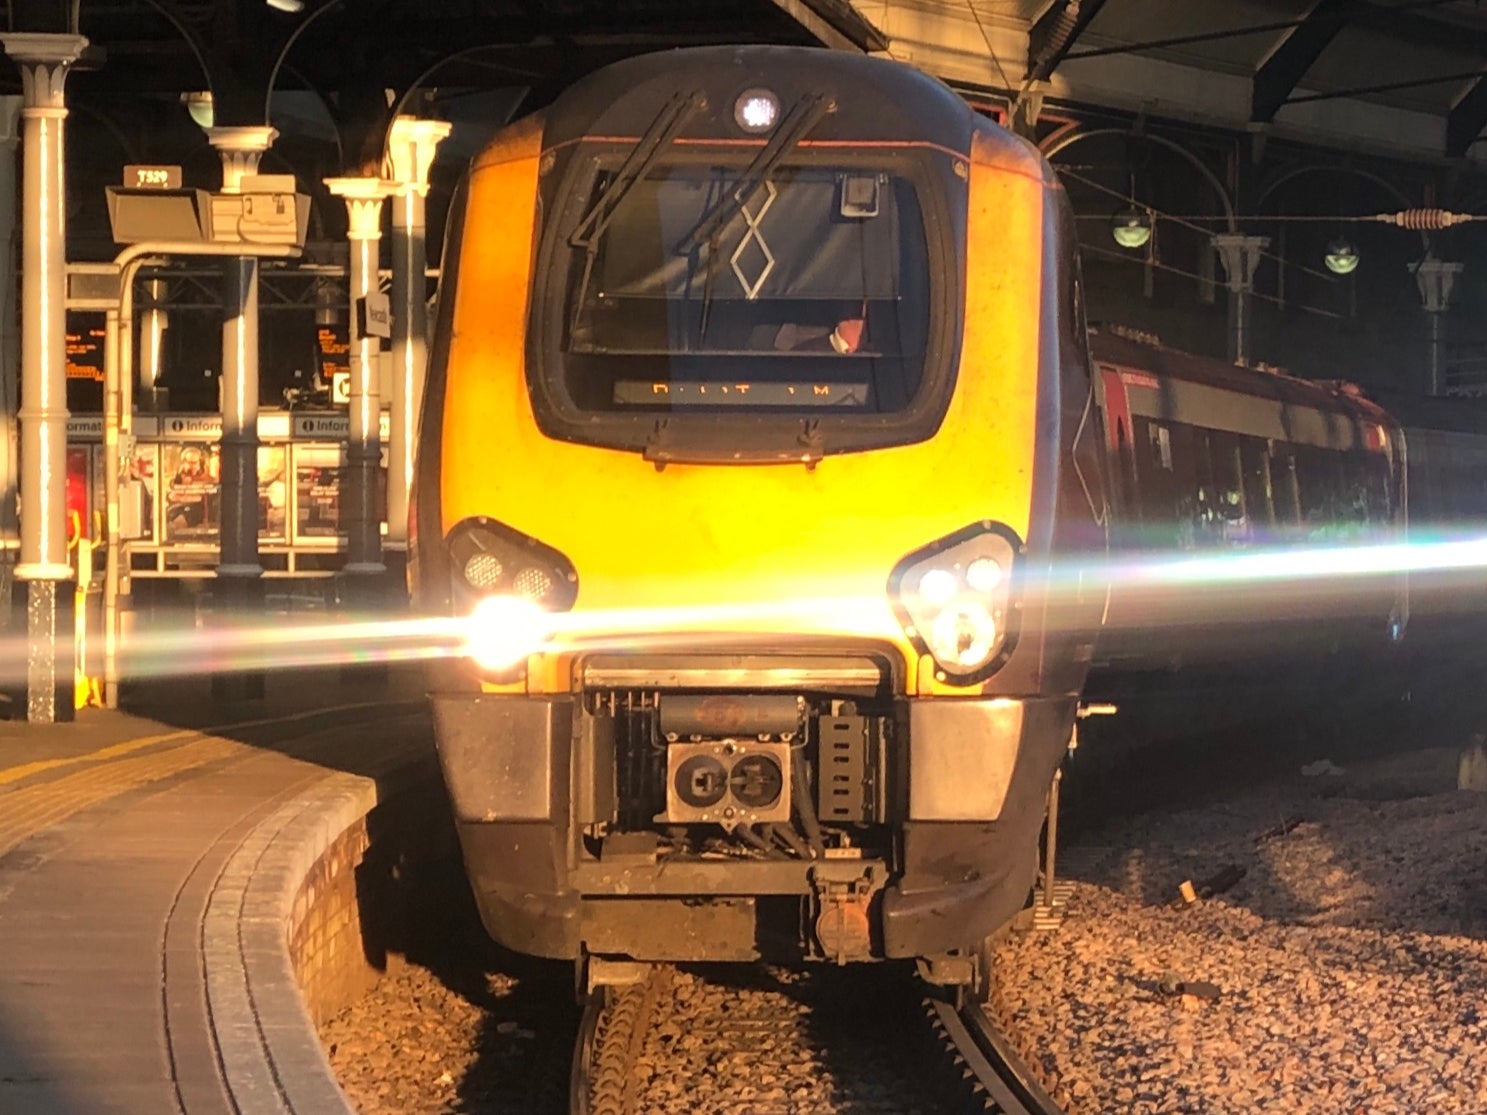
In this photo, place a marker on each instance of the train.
(785, 500)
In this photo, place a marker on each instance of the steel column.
(411, 143)
(359, 512)
(10, 339)
(1240, 255)
(240, 149)
(1436, 280)
(117, 427)
(44, 60)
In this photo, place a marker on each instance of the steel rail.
(580, 1083)
(997, 1070)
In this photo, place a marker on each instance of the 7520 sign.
(152, 177)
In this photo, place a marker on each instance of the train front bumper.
(526, 774)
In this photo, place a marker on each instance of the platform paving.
(115, 832)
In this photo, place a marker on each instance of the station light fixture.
(286, 5)
(200, 106)
(1131, 227)
(1342, 257)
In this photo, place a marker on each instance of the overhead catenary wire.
(1414, 220)
(996, 61)
(1126, 257)
(1182, 221)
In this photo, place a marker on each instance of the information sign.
(85, 339)
(138, 177)
(374, 315)
(333, 346)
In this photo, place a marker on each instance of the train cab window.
(726, 304)
(812, 293)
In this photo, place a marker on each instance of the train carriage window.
(1157, 482)
(1205, 513)
(1186, 482)
(1231, 523)
(1448, 480)
(1342, 494)
(1317, 483)
(1285, 485)
(1468, 465)
(1378, 502)
(1259, 495)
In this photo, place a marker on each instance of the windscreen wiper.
(801, 119)
(664, 128)
(590, 229)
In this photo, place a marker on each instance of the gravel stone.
(1351, 959)
(1351, 963)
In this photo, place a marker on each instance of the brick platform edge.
(282, 944)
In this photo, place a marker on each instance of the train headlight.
(509, 584)
(954, 599)
(938, 587)
(963, 635)
(503, 631)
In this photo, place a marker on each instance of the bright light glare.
(504, 630)
(937, 587)
(176, 646)
(983, 575)
(963, 635)
(1282, 564)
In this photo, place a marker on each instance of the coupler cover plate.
(727, 782)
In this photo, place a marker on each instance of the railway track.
(775, 1044)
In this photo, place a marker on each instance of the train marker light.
(489, 559)
(756, 110)
(483, 570)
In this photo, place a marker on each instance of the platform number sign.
(340, 388)
(152, 177)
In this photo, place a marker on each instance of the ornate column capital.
(363, 197)
(240, 147)
(1240, 255)
(411, 145)
(1436, 279)
(43, 59)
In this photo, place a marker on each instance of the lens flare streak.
(1291, 563)
(184, 647)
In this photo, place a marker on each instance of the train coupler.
(843, 894)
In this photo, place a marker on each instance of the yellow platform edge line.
(113, 751)
(102, 754)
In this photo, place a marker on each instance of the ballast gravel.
(1349, 962)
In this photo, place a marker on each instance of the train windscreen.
(691, 288)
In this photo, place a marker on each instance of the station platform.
(143, 884)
